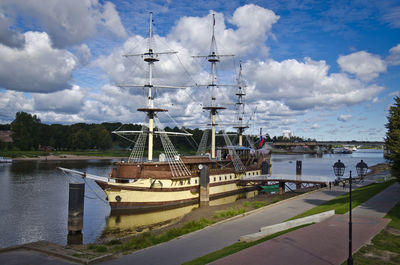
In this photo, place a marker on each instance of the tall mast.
(240, 108)
(213, 58)
(150, 58)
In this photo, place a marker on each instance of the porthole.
(118, 198)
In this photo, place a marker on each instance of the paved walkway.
(200, 243)
(209, 239)
(325, 242)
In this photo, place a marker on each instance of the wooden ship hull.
(151, 185)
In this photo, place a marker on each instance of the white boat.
(5, 160)
(341, 150)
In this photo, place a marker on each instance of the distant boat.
(5, 160)
(341, 150)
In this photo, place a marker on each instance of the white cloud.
(392, 15)
(195, 32)
(37, 67)
(69, 22)
(364, 65)
(7, 36)
(65, 101)
(111, 20)
(394, 55)
(315, 126)
(395, 94)
(84, 54)
(344, 117)
(305, 85)
(12, 102)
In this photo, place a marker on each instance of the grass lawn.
(385, 246)
(341, 204)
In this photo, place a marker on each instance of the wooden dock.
(267, 180)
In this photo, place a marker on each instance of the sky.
(327, 70)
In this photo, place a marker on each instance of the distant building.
(5, 137)
(287, 134)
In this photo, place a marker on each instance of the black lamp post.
(338, 169)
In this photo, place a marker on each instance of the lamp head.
(338, 168)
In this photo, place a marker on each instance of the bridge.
(326, 143)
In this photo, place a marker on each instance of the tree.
(100, 137)
(80, 140)
(392, 140)
(25, 131)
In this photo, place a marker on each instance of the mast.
(213, 58)
(150, 58)
(240, 107)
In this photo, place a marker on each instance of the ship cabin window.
(181, 182)
(254, 173)
(225, 177)
(195, 181)
(215, 179)
(188, 181)
(230, 177)
(220, 178)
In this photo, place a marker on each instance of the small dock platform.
(267, 180)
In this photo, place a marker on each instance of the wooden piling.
(265, 168)
(76, 207)
(298, 173)
(204, 186)
(281, 187)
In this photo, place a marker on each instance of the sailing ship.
(175, 180)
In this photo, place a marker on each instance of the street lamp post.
(338, 169)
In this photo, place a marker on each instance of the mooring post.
(264, 168)
(281, 187)
(298, 174)
(76, 207)
(204, 186)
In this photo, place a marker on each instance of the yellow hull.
(150, 193)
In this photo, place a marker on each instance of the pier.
(268, 180)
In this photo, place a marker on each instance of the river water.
(34, 197)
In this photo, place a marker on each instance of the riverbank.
(66, 157)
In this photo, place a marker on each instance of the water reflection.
(122, 224)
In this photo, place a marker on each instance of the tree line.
(29, 133)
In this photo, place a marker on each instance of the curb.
(32, 247)
(272, 229)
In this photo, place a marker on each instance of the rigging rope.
(183, 129)
(176, 165)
